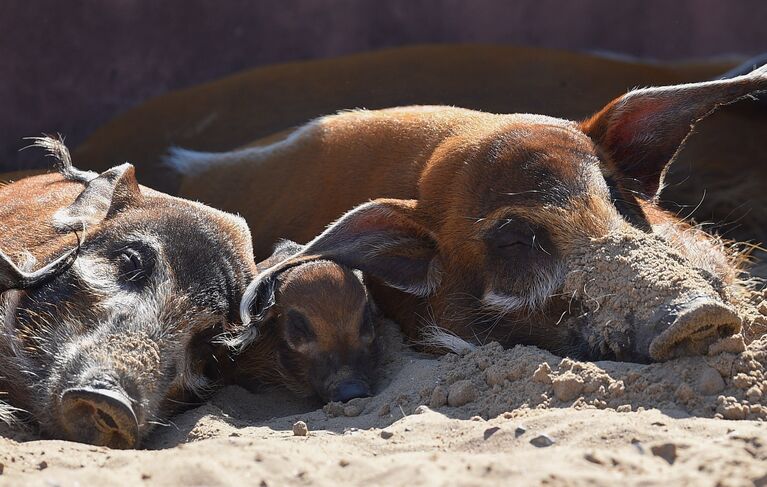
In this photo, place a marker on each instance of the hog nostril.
(98, 416)
(697, 325)
(350, 389)
(107, 419)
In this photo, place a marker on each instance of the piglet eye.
(298, 330)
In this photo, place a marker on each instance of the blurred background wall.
(69, 66)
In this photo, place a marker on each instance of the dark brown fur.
(155, 278)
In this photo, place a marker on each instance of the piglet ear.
(386, 238)
(103, 197)
(640, 132)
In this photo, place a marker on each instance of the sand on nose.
(628, 292)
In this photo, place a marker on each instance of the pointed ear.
(640, 133)
(11, 277)
(104, 196)
(385, 238)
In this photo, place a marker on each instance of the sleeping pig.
(105, 337)
(317, 336)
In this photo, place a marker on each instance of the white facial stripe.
(98, 274)
(504, 301)
(434, 336)
(546, 283)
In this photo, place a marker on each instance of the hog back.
(26, 214)
(238, 109)
(721, 161)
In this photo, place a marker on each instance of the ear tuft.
(56, 148)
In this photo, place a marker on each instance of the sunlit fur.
(426, 188)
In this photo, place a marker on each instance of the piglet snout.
(695, 326)
(350, 389)
(100, 416)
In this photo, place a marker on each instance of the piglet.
(316, 334)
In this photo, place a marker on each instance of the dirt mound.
(524, 414)
(728, 384)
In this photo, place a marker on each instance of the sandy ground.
(520, 417)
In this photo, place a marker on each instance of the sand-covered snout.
(634, 296)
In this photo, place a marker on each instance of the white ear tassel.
(56, 148)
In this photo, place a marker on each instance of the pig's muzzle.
(108, 389)
(350, 389)
(643, 299)
(694, 327)
(100, 415)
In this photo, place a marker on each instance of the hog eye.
(516, 241)
(513, 239)
(299, 330)
(133, 266)
(512, 235)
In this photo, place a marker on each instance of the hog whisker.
(702, 198)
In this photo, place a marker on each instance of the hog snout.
(100, 415)
(642, 299)
(106, 390)
(693, 328)
(350, 389)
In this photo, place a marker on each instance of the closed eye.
(517, 239)
(513, 244)
(512, 234)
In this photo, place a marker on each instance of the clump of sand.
(488, 381)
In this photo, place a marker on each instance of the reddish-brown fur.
(318, 335)
(235, 110)
(442, 176)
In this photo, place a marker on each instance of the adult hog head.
(531, 229)
(111, 340)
